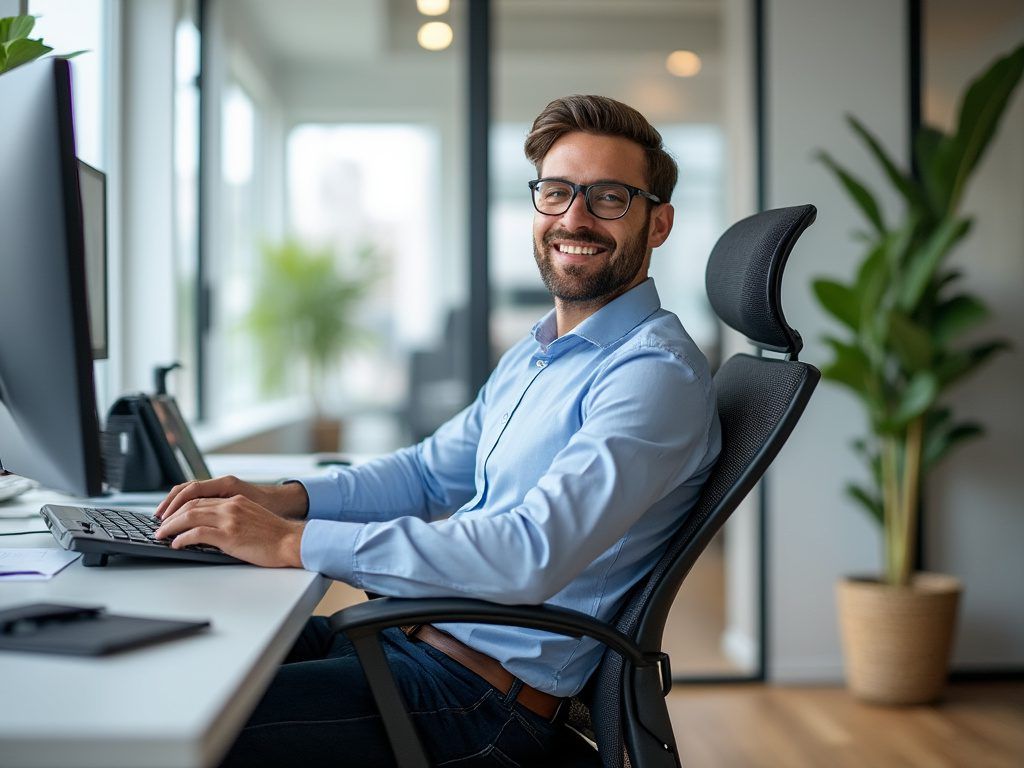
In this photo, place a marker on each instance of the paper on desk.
(34, 563)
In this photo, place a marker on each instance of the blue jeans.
(319, 711)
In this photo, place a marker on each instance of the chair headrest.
(744, 275)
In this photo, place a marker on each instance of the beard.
(579, 283)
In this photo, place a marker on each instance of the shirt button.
(542, 363)
(504, 416)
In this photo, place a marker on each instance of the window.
(351, 137)
(353, 186)
(239, 233)
(186, 205)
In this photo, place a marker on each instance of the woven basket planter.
(897, 640)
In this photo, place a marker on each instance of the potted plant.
(15, 46)
(904, 316)
(302, 316)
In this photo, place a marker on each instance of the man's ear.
(661, 224)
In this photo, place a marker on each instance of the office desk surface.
(179, 703)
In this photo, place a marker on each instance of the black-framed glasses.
(605, 199)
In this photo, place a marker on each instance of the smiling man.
(561, 483)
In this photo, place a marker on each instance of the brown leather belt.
(543, 704)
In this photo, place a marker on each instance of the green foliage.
(302, 314)
(903, 315)
(15, 46)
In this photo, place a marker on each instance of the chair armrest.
(362, 623)
(372, 616)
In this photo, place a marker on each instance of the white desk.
(179, 703)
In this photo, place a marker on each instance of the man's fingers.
(192, 513)
(218, 487)
(170, 497)
(188, 492)
(203, 534)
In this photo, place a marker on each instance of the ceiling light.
(434, 36)
(683, 63)
(432, 7)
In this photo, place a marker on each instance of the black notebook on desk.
(84, 630)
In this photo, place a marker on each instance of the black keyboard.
(99, 533)
(122, 525)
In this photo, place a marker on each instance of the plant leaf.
(982, 108)
(911, 342)
(917, 397)
(938, 445)
(925, 260)
(869, 501)
(903, 182)
(849, 367)
(930, 149)
(870, 286)
(20, 27)
(955, 316)
(856, 189)
(23, 51)
(871, 458)
(947, 277)
(957, 365)
(839, 300)
(938, 419)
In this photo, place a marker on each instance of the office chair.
(760, 399)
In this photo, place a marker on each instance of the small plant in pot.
(904, 318)
(302, 319)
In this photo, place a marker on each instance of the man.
(561, 483)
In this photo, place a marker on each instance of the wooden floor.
(975, 726)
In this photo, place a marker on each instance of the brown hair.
(606, 117)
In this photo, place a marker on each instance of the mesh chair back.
(759, 403)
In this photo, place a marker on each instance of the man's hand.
(238, 526)
(288, 501)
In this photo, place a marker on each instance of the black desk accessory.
(146, 444)
(84, 630)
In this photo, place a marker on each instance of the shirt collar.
(611, 322)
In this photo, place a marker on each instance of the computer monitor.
(49, 428)
(93, 183)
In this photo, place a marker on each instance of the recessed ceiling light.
(434, 36)
(683, 63)
(432, 7)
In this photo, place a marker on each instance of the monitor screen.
(93, 184)
(49, 428)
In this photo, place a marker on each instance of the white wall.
(975, 525)
(823, 59)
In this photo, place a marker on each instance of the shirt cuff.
(328, 547)
(325, 497)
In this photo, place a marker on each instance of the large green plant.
(15, 46)
(905, 314)
(303, 310)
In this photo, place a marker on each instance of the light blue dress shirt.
(560, 484)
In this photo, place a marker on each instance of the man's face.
(583, 258)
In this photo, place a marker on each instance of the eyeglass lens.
(607, 201)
